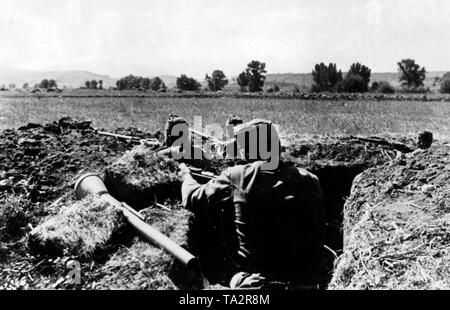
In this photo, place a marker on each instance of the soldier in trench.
(269, 215)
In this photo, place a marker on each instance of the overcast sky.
(148, 37)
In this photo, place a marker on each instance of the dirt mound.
(140, 176)
(38, 167)
(41, 162)
(397, 225)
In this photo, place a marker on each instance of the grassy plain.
(304, 117)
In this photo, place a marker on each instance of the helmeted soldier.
(232, 122)
(180, 145)
(270, 219)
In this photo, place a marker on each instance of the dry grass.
(397, 235)
(141, 266)
(294, 116)
(79, 229)
(140, 175)
(144, 266)
(14, 217)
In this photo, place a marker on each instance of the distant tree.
(353, 83)
(187, 83)
(445, 83)
(243, 80)
(326, 78)
(131, 82)
(52, 83)
(361, 70)
(156, 84)
(273, 89)
(120, 84)
(357, 79)
(411, 75)
(87, 84)
(94, 84)
(374, 86)
(100, 84)
(12, 86)
(127, 82)
(163, 88)
(383, 87)
(445, 86)
(25, 85)
(216, 81)
(145, 83)
(256, 75)
(44, 83)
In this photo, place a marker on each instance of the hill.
(75, 79)
(63, 78)
(169, 80)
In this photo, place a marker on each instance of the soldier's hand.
(246, 280)
(183, 170)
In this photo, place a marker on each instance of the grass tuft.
(79, 229)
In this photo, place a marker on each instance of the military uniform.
(270, 222)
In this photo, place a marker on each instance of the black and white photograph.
(241, 147)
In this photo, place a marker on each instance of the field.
(43, 228)
(303, 117)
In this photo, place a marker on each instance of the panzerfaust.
(92, 184)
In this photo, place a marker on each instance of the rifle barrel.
(131, 138)
(205, 136)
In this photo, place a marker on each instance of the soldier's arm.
(197, 197)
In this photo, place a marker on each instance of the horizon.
(170, 75)
(150, 38)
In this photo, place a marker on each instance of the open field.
(304, 117)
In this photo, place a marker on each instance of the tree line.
(132, 82)
(357, 80)
(326, 78)
(94, 84)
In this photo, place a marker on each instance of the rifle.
(207, 137)
(166, 150)
(155, 142)
(136, 140)
(386, 142)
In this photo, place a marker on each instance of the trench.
(203, 241)
(336, 181)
